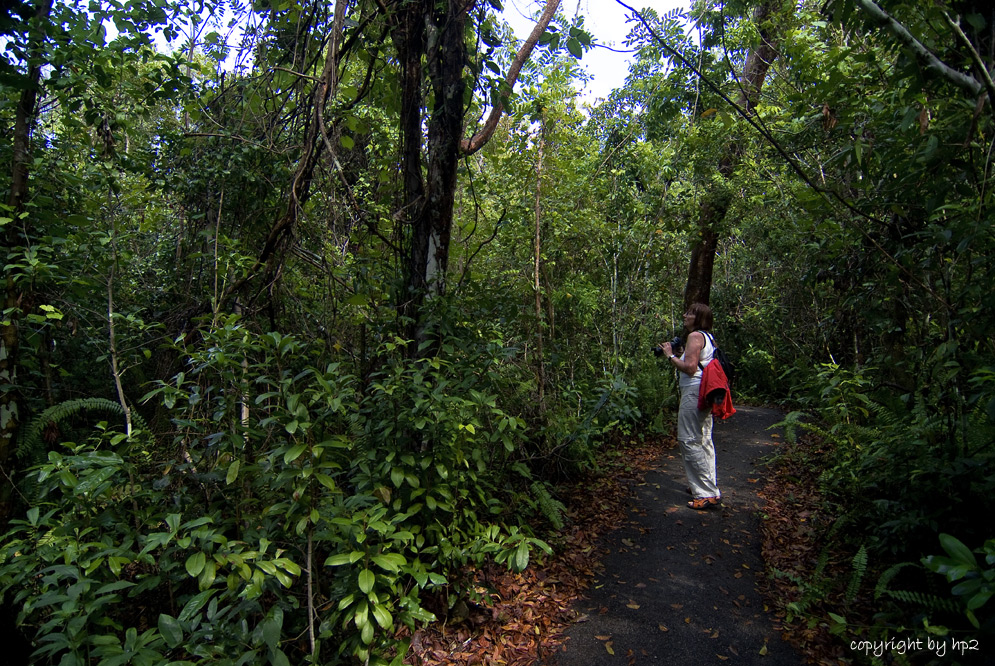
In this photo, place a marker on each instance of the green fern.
(792, 422)
(929, 602)
(30, 447)
(522, 469)
(551, 508)
(882, 585)
(859, 564)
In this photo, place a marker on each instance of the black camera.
(676, 344)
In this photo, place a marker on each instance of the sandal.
(704, 503)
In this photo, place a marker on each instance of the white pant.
(694, 432)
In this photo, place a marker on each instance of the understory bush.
(296, 514)
(905, 472)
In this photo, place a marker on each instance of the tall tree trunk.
(10, 406)
(446, 51)
(408, 34)
(540, 363)
(437, 31)
(432, 227)
(715, 203)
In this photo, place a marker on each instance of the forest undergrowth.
(807, 580)
(525, 615)
(522, 617)
(838, 602)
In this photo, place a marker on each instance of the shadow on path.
(680, 586)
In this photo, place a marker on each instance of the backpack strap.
(714, 348)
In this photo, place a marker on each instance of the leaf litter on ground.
(527, 614)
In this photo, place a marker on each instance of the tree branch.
(477, 141)
(927, 57)
(975, 56)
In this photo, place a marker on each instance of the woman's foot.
(702, 503)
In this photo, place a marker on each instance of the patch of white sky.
(608, 22)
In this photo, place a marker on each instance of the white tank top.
(704, 358)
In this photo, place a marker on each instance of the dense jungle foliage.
(291, 346)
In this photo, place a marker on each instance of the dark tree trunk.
(699, 286)
(9, 337)
(437, 31)
(715, 203)
(408, 34)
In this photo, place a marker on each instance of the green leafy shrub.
(297, 512)
(974, 582)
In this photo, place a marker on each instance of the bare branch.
(927, 57)
(477, 141)
(975, 56)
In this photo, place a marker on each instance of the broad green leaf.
(194, 606)
(957, 550)
(522, 557)
(325, 480)
(232, 472)
(171, 630)
(573, 45)
(295, 452)
(195, 564)
(382, 616)
(287, 565)
(391, 562)
(208, 575)
(366, 580)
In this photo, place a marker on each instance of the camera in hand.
(676, 344)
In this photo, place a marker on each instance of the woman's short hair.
(702, 317)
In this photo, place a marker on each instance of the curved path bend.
(680, 587)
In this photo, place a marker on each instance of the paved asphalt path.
(679, 586)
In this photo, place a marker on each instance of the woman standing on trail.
(694, 426)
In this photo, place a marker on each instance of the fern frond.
(859, 569)
(30, 447)
(551, 508)
(886, 577)
(820, 565)
(929, 602)
(522, 469)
